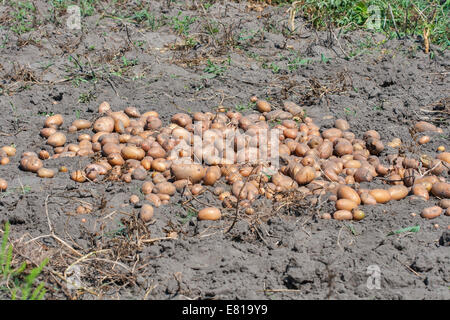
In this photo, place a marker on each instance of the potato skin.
(398, 192)
(381, 195)
(209, 213)
(342, 215)
(346, 192)
(441, 190)
(193, 172)
(431, 212)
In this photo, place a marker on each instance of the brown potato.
(165, 188)
(194, 172)
(45, 173)
(431, 212)
(81, 124)
(181, 119)
(363, 175)
(342, 124)
(210, 213)
(263, 106)
(444, 156)
(78, 176)
(441, 190)
(47, 132)
(380, 195)
(305, 175)
(146, 213)
(9, 150)
(3, 185)
(346, 192)
(212, 175)
(58, 139)
(421, 191)
(444, 203)
(54, 121)
(423, 126)
(342, 215)
(367, 199)
(104, 124)
(345, 204)
(31, 163)
(398, 192)
(424, 139)
(132, 152)
(358, 214)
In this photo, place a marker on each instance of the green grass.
(214, 69)
(182, 24)
(409, 17)
(16, 282)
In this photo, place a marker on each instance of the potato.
(45, 173)
(424, 139)
(444, 156)
(58, 139)
(358, 214)
(332, 133)
(194, 172)
(263, 106)
(441, 190)
(431, 212)
(139, 174)
(423, 126)
(104, 107)
(31, 163)
(380, 195)
(196, 189)
(421, 191)
(181, 119)
(81, 124)
(343, 147)
(374, 146)
(212, 175)
(209, 213)
(367, 199)
(398, 192)
(132, 152)
(165, 188)
(104, 124)
(342, 124)
(345, 204)
(342, 215)
(371, 134)
(444, 203)
(3, 185)
(132, 112)
(363, 175)
(243, 190)
(47, 132)
(115, 159)
(54, 121)
(325, 149)
(153, 199)
(345, 192)
(78, 176)
(305, 175)
(10, 151)
(146, 213)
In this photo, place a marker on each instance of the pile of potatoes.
(136, 146)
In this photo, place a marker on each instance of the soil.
(282, 253)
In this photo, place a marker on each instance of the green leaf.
(408, 229)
